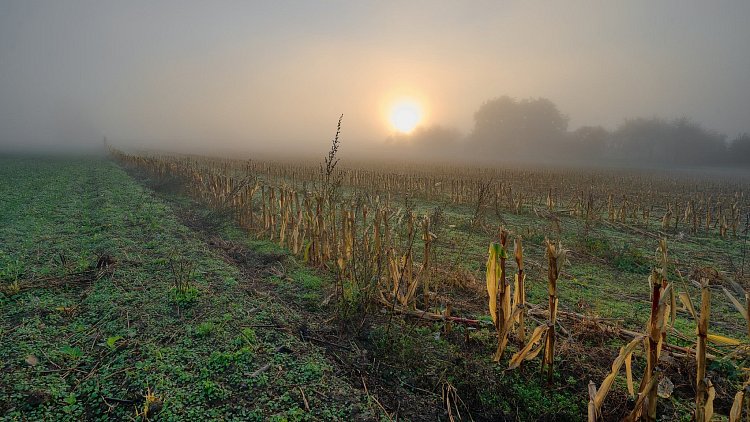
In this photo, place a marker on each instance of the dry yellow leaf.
(735, 414)
(742, 310)
(722, 341)
(492, 279)
(688, 304)
(517, 358)
(629, 373)
(610, 378)
(710, 400)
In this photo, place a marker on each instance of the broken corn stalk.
(597, 399)
(493, 277)
(519, 290)
(555, 258)
(702, 413)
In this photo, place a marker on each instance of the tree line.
(534, 129)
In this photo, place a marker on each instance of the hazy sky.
(245, 73)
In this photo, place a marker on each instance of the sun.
(405, 115)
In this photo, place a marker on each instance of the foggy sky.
(234, 75)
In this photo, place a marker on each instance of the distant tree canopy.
(588, 141)
(517, 127)
(655, 140)
(739, 150)
(534, 129)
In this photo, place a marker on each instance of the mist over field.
(566, 83)
(371, 210)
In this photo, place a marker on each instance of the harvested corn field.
(374, 211)
(567, 270)
(167, 286)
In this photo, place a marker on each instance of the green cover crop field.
(116, 342)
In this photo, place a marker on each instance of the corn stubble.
(383, 253)
(543, 338)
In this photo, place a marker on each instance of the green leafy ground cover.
(81, 343)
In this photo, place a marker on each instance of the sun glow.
(405, 115)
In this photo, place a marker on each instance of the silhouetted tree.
(696, 145)
(518, 127)
(588, 141)
(658, 141)
(739, 150)
(534, 129)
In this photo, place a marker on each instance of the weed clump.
(183, 273)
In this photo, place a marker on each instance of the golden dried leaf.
(710, 400)
(506, 299)
(503, 335)
(672, 307)
(665, 295)
(688, 304)
(722, 341)
(642, 398)
(517, 295)
(735, 414)
(742, 310)
(518, 249)
(629, 374)
(519, 356)
(492, 279)
(64, 309)
(534, 353)
(659, 345)
(625, 351)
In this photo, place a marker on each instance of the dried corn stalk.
(519, 290)
(740, 398)
(735, 414)
(643, 399)
(499, 291)
(493, 278)
(701, 409)
(556, 258)
(671, 308)
(504, 288)
(656, 330)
